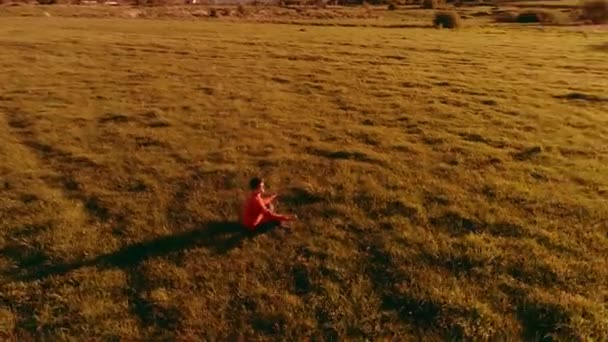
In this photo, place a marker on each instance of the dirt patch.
(345, 155)
(528, 153)
(456, 224)
(114, 118)
(582, 97)
(600, 47)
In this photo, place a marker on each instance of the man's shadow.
(218, 236)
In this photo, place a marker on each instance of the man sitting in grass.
(258, 210)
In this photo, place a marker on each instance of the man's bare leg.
(282, 224)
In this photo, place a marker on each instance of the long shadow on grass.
(219, 236)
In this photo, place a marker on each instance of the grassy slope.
(126, 146)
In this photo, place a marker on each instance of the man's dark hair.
(255, 182)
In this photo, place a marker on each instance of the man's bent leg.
(267, 223)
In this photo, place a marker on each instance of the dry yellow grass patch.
(449, 184)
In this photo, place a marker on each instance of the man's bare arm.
(270, 198)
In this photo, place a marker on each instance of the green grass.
(449, 184)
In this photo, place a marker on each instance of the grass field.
(450, 184)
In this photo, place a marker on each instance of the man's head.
(256, 184)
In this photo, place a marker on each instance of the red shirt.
(255, 212)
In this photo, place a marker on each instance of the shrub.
(595, 11)
(531, 16)
(447, 19)
(429, 4)
(506, 17)
(152, 2)
(241, 10)
(536, 16)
